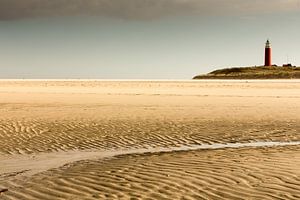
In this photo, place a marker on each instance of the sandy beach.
(96, 139)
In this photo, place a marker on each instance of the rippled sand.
(94, 139)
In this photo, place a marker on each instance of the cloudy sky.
(155, 39)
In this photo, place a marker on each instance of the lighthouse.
(268, 54)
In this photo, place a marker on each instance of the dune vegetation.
(260, 72)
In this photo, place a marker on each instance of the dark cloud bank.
(138, 9)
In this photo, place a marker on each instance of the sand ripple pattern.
(262, 173)
(34, 136)
(44, 118)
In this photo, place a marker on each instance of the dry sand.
(145, 139)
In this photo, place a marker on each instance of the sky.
(143, 39)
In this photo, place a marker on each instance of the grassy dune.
(260, 72)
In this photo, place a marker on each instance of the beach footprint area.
(149, 139)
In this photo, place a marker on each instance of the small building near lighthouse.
(268, 54)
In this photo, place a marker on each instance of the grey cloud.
(139, 9)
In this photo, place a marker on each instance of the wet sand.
(143, 139)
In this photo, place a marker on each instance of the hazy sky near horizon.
(139, 39)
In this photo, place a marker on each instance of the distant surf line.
(155, 80)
